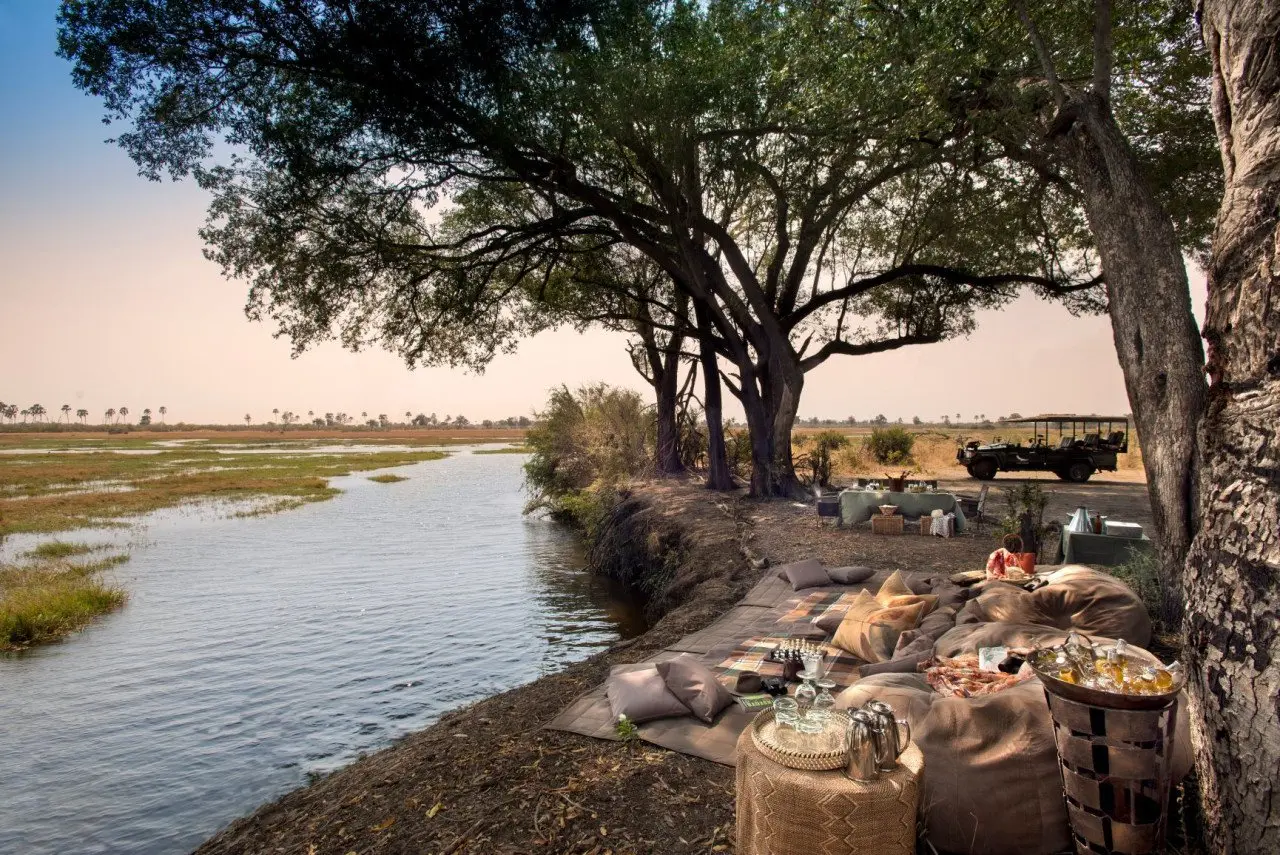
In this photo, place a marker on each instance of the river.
(255, 651)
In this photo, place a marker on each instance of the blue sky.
(108, 301)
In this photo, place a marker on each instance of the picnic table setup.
(858, 505)
(1094, 539)
(860, 706)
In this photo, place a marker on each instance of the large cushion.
(1079, 598)
(696, 686)
(992, 783)
(804, 574)
(870, 631)
(641, 694)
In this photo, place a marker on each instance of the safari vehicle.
(1082, 445)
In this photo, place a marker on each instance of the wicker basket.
(764, 735)
(881, 524)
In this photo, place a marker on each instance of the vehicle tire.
(1079, 472)
(1061, 473)
(984, 469)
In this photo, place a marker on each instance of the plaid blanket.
(753, 655)
(817, 604)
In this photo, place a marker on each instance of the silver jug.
(861, 763)
(891, 735)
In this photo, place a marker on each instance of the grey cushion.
(641, 695)
(829, 621)
(804, 574)
(696, 686)
(851, 575)
(936, 624)
(908, 663)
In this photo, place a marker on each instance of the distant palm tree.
(407, 415)
(83, 415)
(247, 418)
(311, 414)
(25, 413)
(163, 410)
(124, 414)
(66, 412)
(364, 415)
(37, 410)
(111, 413)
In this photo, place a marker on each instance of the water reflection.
(256, 650)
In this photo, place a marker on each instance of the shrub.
(818, 457)
(597, 435)
(1142, 573)
(890, 445)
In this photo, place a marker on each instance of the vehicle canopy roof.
(1064, 417)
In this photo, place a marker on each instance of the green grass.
(515, 449)
(56, 549)
(50, 599)
(43, 492)
(387, 478)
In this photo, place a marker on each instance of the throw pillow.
(641, 695)
(870, 631)
(805, 574)
(850, 575)
(696, 686)
(829, 621)
(895, 592)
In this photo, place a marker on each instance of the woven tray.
(829, 749)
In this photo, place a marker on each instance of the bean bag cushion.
(992, 782)
(1079, 598)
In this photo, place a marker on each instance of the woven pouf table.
(784, 811)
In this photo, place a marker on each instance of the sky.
(106, 300)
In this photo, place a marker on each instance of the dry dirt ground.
(489, 779)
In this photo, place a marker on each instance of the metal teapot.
(891, 735)
(861, 763)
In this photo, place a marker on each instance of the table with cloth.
(860, 505)
(1108, 550)
(785, 811)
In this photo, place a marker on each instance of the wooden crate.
(881, 524)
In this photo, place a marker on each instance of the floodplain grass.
(387, 478)
(77, 488)
(515, 449)
(55, 549)
(49, 599)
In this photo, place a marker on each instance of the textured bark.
(1232, 582)
(1150, 307)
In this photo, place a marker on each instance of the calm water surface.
(254, 651)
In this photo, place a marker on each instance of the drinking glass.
(785, 711)
(825, 701)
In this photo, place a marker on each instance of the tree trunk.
(719, 475)
(666, 387)
(780, 386)
(1232, 582)
(1151, 320)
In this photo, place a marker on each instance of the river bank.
(489, 779)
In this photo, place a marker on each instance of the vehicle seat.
(1065, 443)
(1115, 439)
(1091, 440)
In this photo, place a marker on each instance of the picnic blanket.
(817, 604)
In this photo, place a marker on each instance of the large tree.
(1232, 578)
(752, 151)
(1119, 112)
